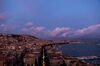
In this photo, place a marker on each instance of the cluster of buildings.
(17, 50)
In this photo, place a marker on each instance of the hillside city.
(24, 50)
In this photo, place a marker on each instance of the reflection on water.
(82, 50)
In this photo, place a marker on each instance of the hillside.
(16, 39)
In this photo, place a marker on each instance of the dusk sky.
(52, 18)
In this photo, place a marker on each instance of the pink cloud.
(29, 24)
(63, 31)
(88, 30)
(30, 29)
(60, 31)
(68, 32)
(38, 29)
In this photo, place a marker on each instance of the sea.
(80, 50)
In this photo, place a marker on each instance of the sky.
(50, 18)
